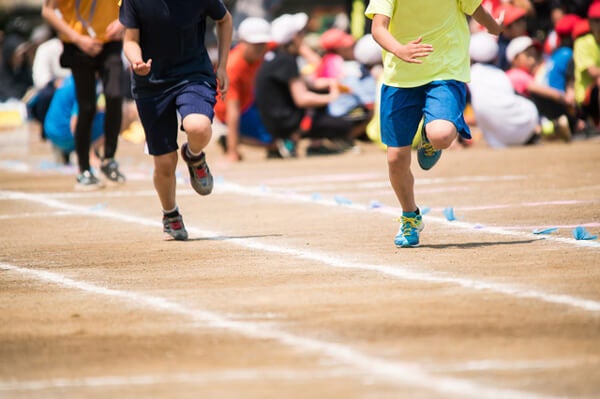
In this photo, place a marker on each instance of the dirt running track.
(291, 287)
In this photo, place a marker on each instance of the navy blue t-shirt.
(172, 35)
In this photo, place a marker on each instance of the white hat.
(517, 46)
(367, 51)
(285, 27)
(255, 30)
(483, 47)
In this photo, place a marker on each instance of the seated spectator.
(47, 75)
(238, 111)
(586, 55)
(515, 25)
(338, 46)
(555, 105)
(60, 121)
(15, 72)
(559, 66)
(283, 95)
(504, 117)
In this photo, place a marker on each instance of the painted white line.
(516, 366)
(36, 215)
(470, 227)
(402, 272)
(402, 373)
(178, 378)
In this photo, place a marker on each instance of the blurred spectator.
(559, 66)
(283, 96)
(237, 110)
(264, 9)
(15, 72)
(504, 117)
(61, 119)
(92, 44)
(338, 46)
(515, 25)
(586, 54)
(555, 105)
(47, 75)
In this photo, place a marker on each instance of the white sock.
(171, 211)
(190, 153)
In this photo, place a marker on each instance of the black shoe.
(222, 140)
(110, 169)
(321, 150)
(86, 181)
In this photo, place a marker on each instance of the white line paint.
(178, 378)
(397, 271)
(470, 227)
(402, 373)
(515, 366)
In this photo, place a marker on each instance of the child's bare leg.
(441, 133)
(164, 179)
(199, 131)
(401, 177)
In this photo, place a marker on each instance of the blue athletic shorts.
(158, 114)
(401, 109)
(251, 125)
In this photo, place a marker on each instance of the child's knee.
(197, 125)
(441, 133)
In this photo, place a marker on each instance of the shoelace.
(428, 149)
(408, 224)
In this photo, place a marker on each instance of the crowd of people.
(275, 80)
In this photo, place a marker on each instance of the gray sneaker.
(110, 169)
(174, 229)
(200, 177)
(86, 181)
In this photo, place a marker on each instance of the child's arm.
(549, 93)
(224, 34)
(133, 52)
(485, 19)
(411, 52)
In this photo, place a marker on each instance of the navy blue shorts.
(158, 114)
(402, 109)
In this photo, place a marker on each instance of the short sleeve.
(469, 6)
(216, 9)
(128, 15)
(382, 7)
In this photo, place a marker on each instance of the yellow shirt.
(442, 24)
(586, 53)
(104, 12)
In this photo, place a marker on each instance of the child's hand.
(413, 51)
(222, 81)
(89, 45)
(142, 68)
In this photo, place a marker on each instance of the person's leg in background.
(111, 74)
(84, 75)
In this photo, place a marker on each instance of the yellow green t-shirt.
(442, 24)
(586, 54)
(96, 13)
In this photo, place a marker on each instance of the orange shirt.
(104, 12)
(242, 76)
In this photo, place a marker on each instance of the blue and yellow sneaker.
(426, 154)
(408, 234)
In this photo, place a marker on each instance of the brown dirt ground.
(281, 293)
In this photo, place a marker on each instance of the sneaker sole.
(169, 237)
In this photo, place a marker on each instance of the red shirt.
(242, 76)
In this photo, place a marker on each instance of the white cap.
(517, 46)
(285, 27)
(483, 47)
(254, 30)
(367, 51)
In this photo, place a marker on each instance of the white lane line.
(470, 227)
(402, 373)
(36, 215)
(496, 365)
(178, 378)
(402, 272)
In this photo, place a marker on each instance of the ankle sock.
(190, 153)
(173, 212)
